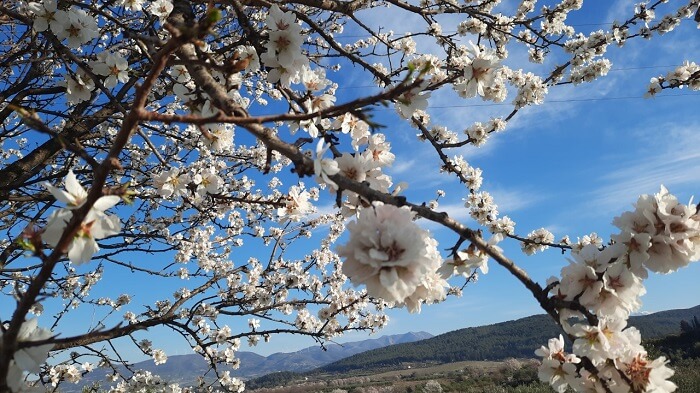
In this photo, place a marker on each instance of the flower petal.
(106, 202)
(60, 195)
(55, 226)
(105, 226)
(75, 189)
(82, 249)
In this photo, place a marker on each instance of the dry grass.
(418, 371)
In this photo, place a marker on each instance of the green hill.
(518, 338)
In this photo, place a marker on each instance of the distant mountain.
(518, 338)
(313, 357)
(185, 369)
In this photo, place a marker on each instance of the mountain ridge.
(185, 368)
(516, 338)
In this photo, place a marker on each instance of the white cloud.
(509, 200)
(672, 160)
(402, 167)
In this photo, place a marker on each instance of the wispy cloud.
(511, 200)
(672, 161)
(402, 167)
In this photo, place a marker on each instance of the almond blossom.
(133, 5)
(46, 15)
(478, 73)
(96, 225)
(673, 230)
(77, 28)
(79, 87)
(558, 368)
(30, 358)
(412, 101)
(358, 129)
(388, 252)
(88, 82)
(647, 375)
(324, 167)
(114, 67)
(296, 205)
(161, 9)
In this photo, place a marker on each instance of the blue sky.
(570, 165)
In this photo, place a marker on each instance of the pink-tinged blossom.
(673, 229)
(478, 73)
(636, 247)
(558, 368)
(620, 294)
(591, 342)
(539, 240)
(314, 79)
(468, 259)
(296, 205)
(647, 375)
(579, 279)
(388, 252)
(378, 152)
(283, 55)
(358, 129)
(432, 290)
(354, 167)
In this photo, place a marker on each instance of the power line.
(570, 100)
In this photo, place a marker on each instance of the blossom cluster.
(687, 74)
(75, 26)
(393, 257)
(660, 235)
(78, 28)
(283, 46)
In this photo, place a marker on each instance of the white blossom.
(388, 252)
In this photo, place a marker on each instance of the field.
(410, 378)
(509, 376)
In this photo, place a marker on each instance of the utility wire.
(611, 70)
(569, 100)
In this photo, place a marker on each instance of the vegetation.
(412, 372)
(516, 339)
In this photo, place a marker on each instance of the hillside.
(186, 368)
(518, 338)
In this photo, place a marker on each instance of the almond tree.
(167, 139)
